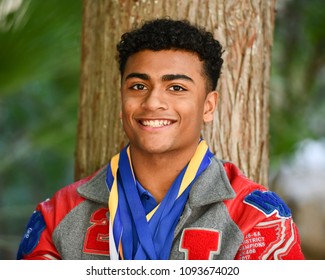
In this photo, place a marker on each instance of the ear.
(210, 105)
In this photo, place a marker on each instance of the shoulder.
(64, 200)
(239, 182)
(264, 219)
(253, 203)
(66, 195)
(37, 242)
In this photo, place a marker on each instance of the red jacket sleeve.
(264, 219)
(37, 242)
(272, 239)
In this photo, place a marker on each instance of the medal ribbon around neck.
(133, 234)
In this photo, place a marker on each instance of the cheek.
(127, 109)
(193, 109)
(191, 115)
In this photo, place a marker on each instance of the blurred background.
(39, 90)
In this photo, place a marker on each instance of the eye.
(138, 87)
(177, 88)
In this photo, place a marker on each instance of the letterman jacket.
(227, 216)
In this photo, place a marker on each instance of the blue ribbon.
(142, 239)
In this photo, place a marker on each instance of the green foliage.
(39, 88)
(297, 79)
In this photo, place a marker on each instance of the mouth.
(155, 123)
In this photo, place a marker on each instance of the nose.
(155, 100)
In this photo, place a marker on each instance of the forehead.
(164, 62)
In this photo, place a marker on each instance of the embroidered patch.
(97, 235)
(268, 202)
(269, 240)
(200, 243)
(32, 236)
(262, 240)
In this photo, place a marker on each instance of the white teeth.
(156, 123)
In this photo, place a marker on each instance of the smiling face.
(164, 101)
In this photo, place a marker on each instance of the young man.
(165, 195)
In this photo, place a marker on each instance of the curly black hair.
(165, 34)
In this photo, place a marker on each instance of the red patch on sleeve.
(277, 239)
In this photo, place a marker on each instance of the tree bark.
(239, 132)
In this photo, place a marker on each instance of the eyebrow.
(171, 77)
(167, 77)
(141, 76)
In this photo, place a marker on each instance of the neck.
(157, 172)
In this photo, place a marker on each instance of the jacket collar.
(95, 189)
(211, 187)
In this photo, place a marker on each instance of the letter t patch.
(200, 243)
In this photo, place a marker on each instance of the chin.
(155, 148)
